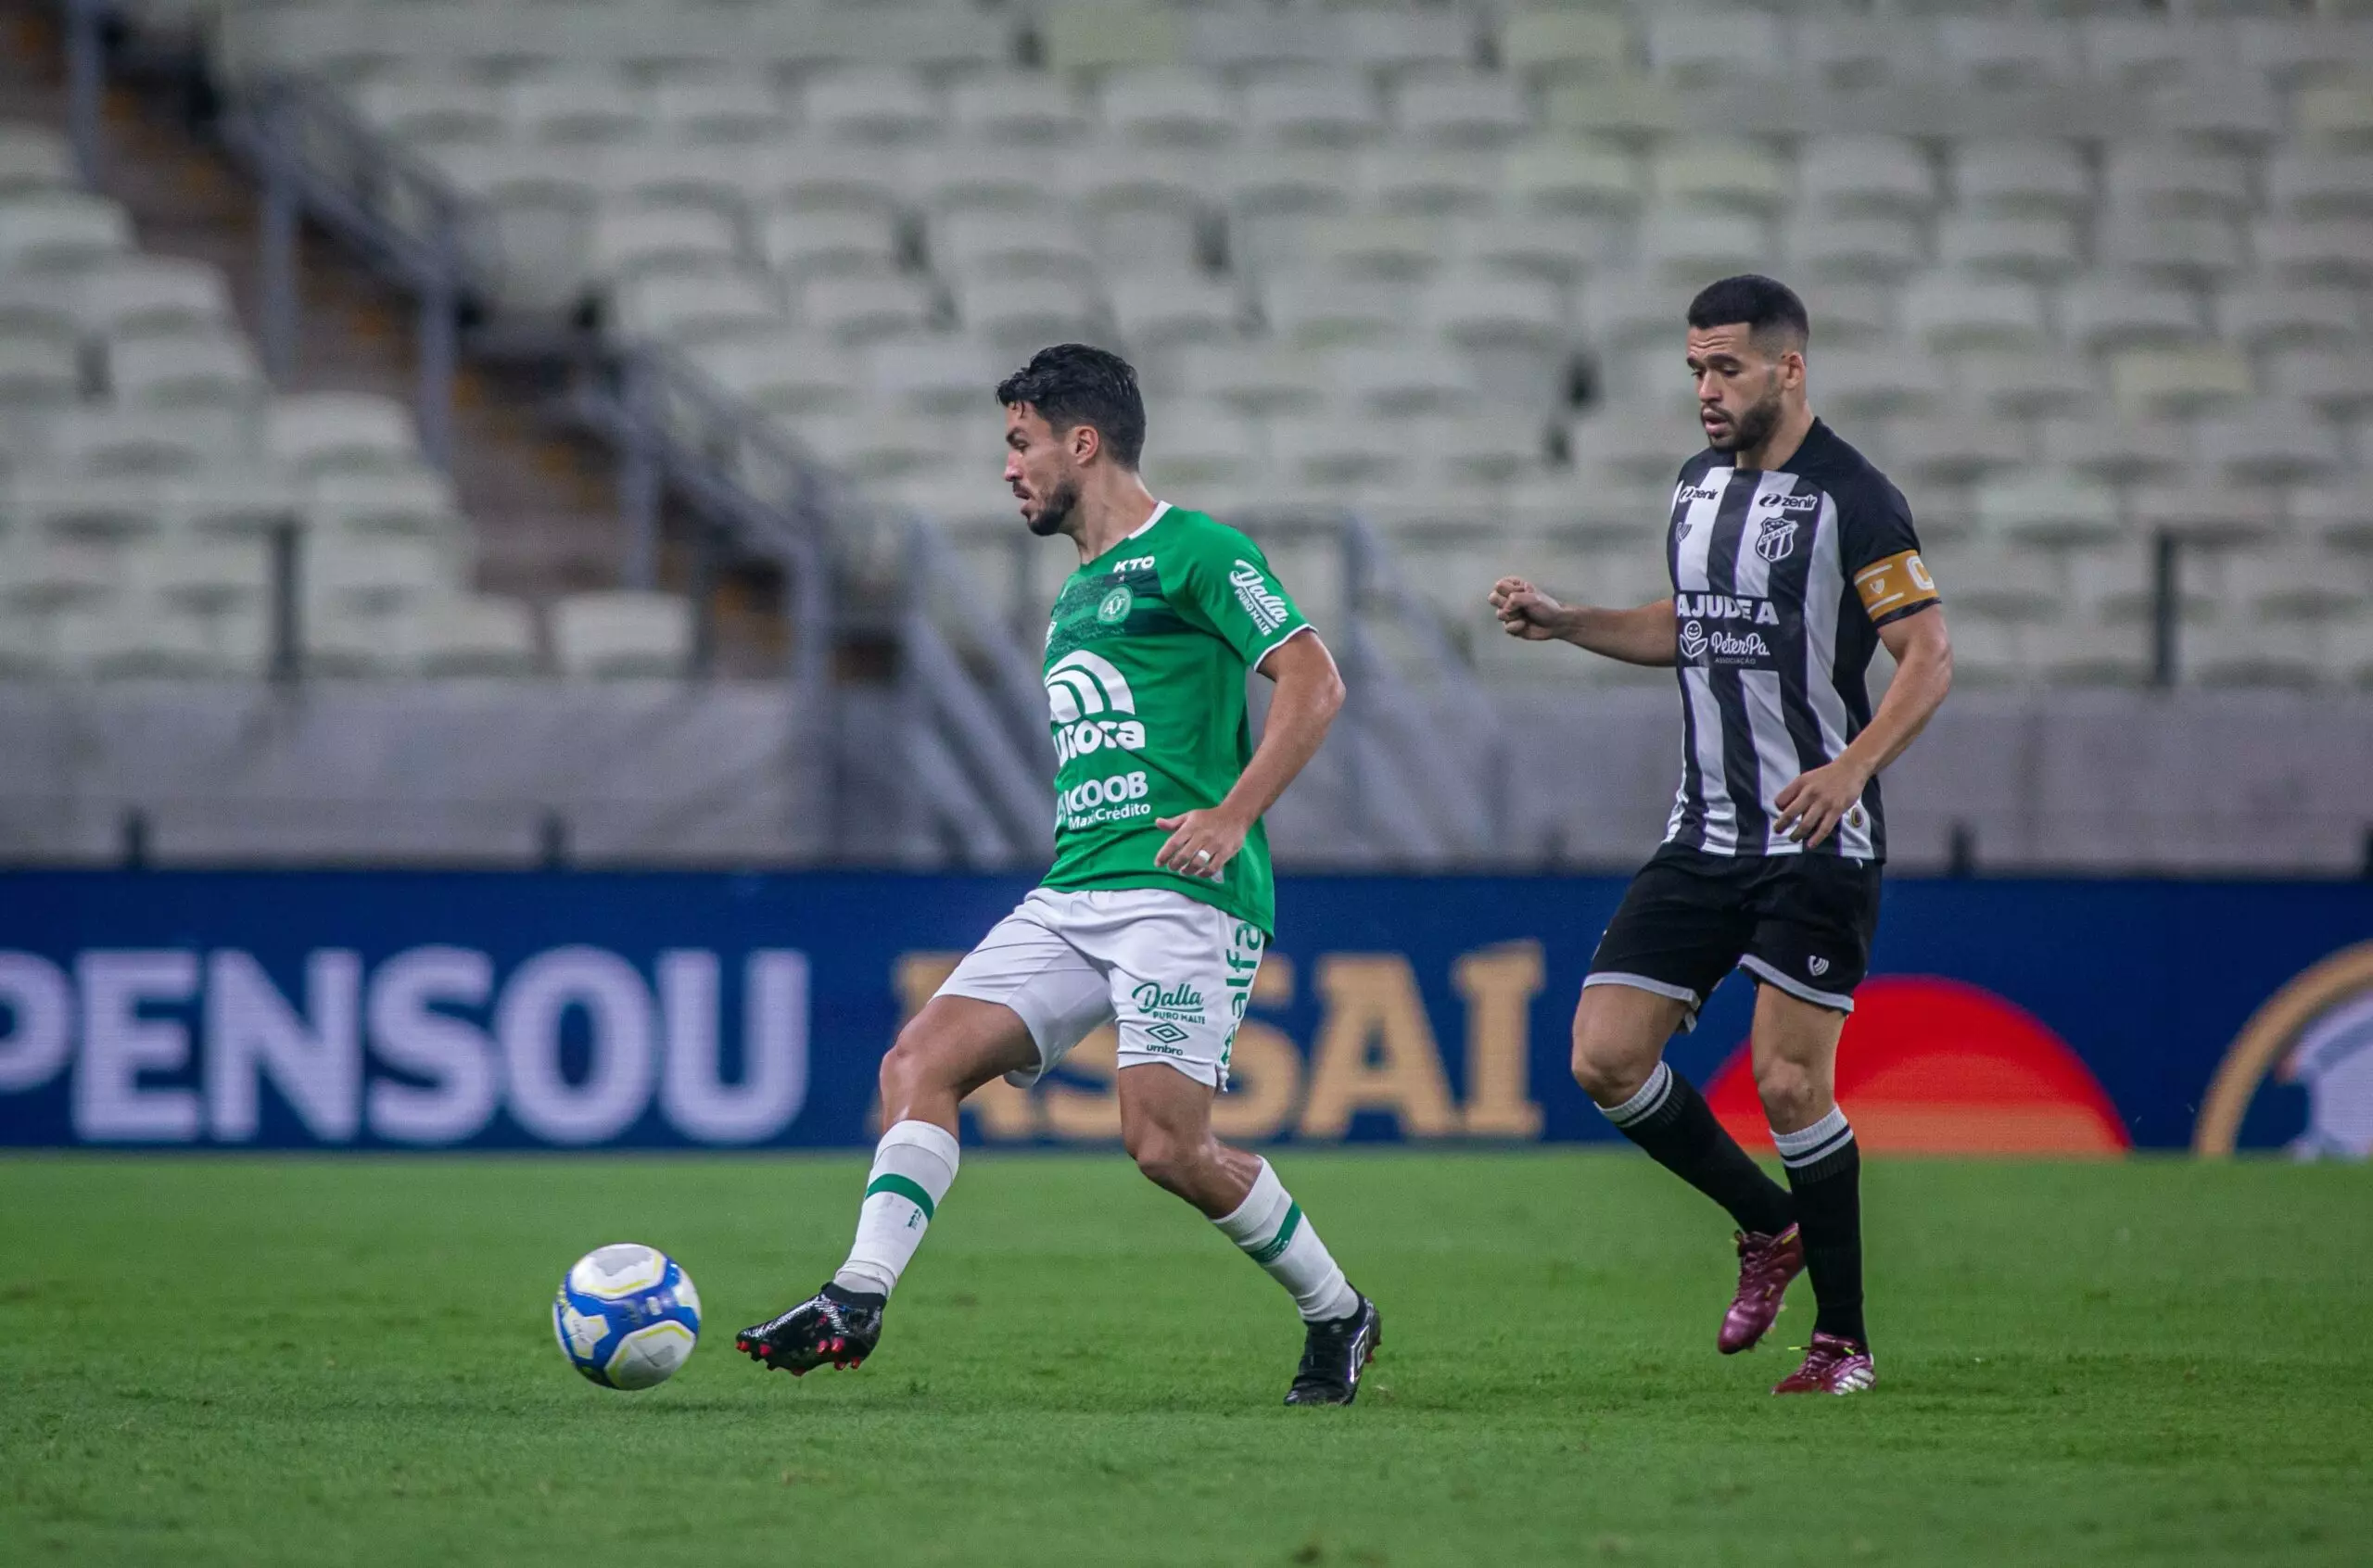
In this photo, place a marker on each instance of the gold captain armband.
(1895, 585)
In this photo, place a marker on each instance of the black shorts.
(1801, 922)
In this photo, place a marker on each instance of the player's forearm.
(1309, 695)
(1643, 636)
(1922, 678)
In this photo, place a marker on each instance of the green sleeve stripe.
(1277, 1243)
(906, 1188)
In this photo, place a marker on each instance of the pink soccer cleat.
(1766, 1265)
(1832, 1366)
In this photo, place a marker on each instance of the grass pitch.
(309, 1362)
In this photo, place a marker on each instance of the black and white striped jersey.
(1781, 580)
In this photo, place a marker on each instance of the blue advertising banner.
(419, 1010)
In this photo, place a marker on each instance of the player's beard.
(1055, 511)
(1749, 430)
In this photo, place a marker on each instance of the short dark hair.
(1764, 304)
(1071, 384)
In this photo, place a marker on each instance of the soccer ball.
(626, 1316)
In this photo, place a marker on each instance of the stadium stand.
(2076, 280)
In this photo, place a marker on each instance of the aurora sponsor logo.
(1267, 608)
(1098, 735)
(1080, 685)
(1155, 1000)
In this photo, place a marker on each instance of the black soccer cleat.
(835, 1325)
(1334, 1354)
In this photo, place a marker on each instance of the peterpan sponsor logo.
(1252, 592)
(1697, 643)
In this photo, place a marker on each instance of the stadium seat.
(189, 370)
(2205, 511)
(2040, 249)
(1575, 175)
(1551, 46)
(38, 374)
(244, 502)
(475, 634)
(1101, 37)
(687, 311)
(1866, 176)
(2166, 179)
(1387, 246)
(719, 109)
(153, 442)
(534, 209)
(800, 243)
(2325, 251)
(1325, 312)
(1559, 248)
(878, 444)
(1015, 110)
(871, 106)
(1859, 52)
(138, 641)
(1719, 174)
(830, 178)
(1878, 383)
(1195, 451)
(2261, 317)
(1169, 108)
(2271, 444)
(1395, 383)
(1261, 380)
(311, 434)
(2021, 178)
(1021, 315)
(2225, 650)
(85, 508)
(1698, 248)
(1681, 46)
(2007, 52)
(2198, 251)
(2310, 185)
(417, 502)
(2081, 652)
(2337, 116)
(622, 634)
(206, 577)
(2178, 382)
(1461, 451)
(2027, 384)
(1954, 448)
(934, 377)
(1467, 110)
(61, 231)
(631, 243)
(1480, 311)
(2338, 516)
(2102, 314)
(1328, 453)
(2287, 582)
(131, 297)
(1154, 313)
(434, 110)
(1950, 313)
(988, 245)
(1317, 107)
(33, 157)
(1983, 580)
(2115, 587)
(1433, 182)
(348, 575)
(2049, 508)
(1881, 250)
(672, 174)
(578, 107)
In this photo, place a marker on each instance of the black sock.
(1671, 1120)
(1825, 1170)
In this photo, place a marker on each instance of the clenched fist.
(1526, 612)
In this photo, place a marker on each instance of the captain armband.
(1891, 586)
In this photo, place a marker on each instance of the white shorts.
(1173, 971)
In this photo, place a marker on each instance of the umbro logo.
(1168, 1033)
(1818, 966)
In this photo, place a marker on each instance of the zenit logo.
(1697, 493)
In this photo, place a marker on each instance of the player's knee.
(1607, 1069)
(1790, 1094)
(1168, 1160)
(908, 1066)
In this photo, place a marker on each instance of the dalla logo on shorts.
(1155, 1000)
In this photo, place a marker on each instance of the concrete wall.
(460, 772)
(724, 773)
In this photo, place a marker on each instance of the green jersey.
(1146, 654)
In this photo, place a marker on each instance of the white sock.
(913, 1167)
(1269, 1226)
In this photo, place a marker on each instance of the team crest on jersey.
(1776, 540)
(1115, 608)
